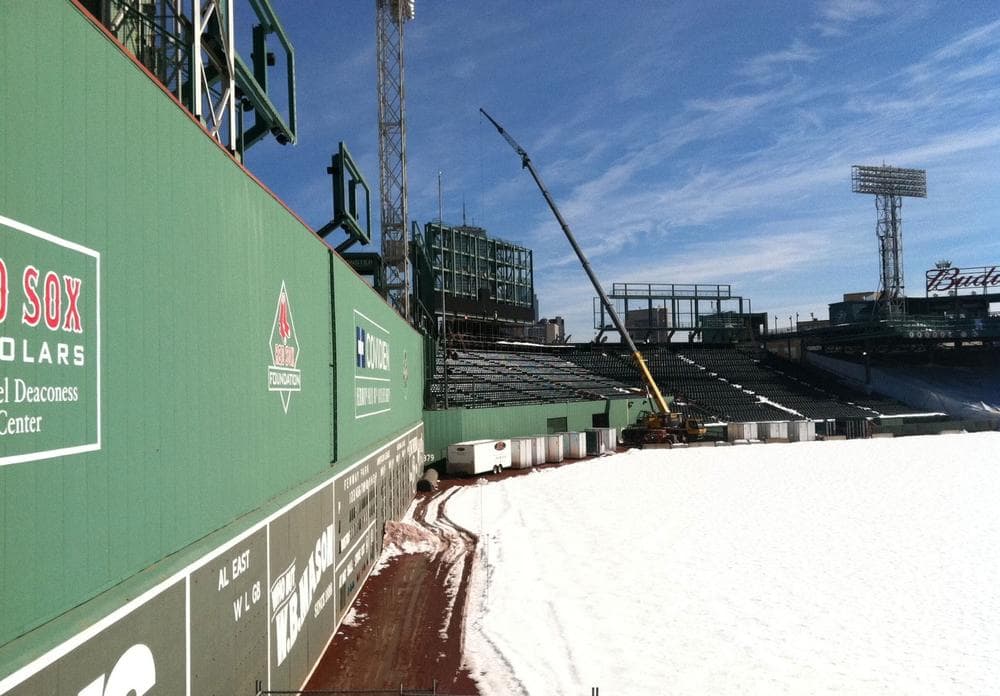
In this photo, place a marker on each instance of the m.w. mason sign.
(954, 280)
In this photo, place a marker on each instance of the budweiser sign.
(952, 279)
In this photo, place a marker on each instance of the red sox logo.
(283, 375)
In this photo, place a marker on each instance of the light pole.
(444, 316)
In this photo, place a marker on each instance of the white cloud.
(765, 66)
(850, 10)
(946, 64)
(836, 15)
(985, 35)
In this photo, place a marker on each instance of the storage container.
(596, 441)
(553, 448)
(478, 456)
(574, 445)
(522, 453)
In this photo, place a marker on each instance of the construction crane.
(390, 16)
(663, 425)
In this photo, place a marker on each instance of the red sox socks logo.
(283, 376)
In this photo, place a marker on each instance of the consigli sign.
(955, 279)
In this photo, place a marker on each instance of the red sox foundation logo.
(282, 375)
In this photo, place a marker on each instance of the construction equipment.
(663, 425)
(651, 428)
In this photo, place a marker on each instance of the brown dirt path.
(400, 637)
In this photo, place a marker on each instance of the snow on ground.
(849, 567)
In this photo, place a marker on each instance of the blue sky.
(685, 142)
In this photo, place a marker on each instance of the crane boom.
(640, 362)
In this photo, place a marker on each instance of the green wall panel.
(402, 375)
(193, 257)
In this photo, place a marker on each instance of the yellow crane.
(662, 425)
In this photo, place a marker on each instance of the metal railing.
(159, 39)
(910, 326)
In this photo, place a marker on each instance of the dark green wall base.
(446, 427)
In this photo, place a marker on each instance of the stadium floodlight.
(889, 185)
(889, 181)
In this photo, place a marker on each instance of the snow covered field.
(857, 567)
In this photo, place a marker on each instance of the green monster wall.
(179, 426)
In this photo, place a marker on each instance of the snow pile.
(409, 537)
(354, 617)
(828, 567)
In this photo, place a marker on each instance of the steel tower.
(390, 16)
(889, 185)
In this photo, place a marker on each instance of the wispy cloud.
(837, 15)
(946, 62)
(762, 263)
(636, 203)
(985, 35)
(767, 66)
(678, 153)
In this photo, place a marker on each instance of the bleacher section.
(731, 385)
(484, 379)
(793, 394)
(712, 384)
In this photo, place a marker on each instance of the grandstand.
(489, 378)
(717, 384)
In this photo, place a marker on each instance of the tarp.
(961, 392)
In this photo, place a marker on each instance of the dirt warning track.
(405, 628)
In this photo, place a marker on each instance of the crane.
(663, 425)
(390, 16)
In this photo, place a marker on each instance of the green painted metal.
(347, 209)
(399, 369)
(271, 24)
(194, 258)
(446, 427)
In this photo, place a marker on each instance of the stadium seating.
(490, 378)
(731, 384)
(711, 383)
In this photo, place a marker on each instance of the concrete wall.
(446, 427)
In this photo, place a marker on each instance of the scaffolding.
(483, 276)
(189, 48)
(390, 18)
(654, 312)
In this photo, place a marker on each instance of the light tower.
(889, 185)
(390, 16)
